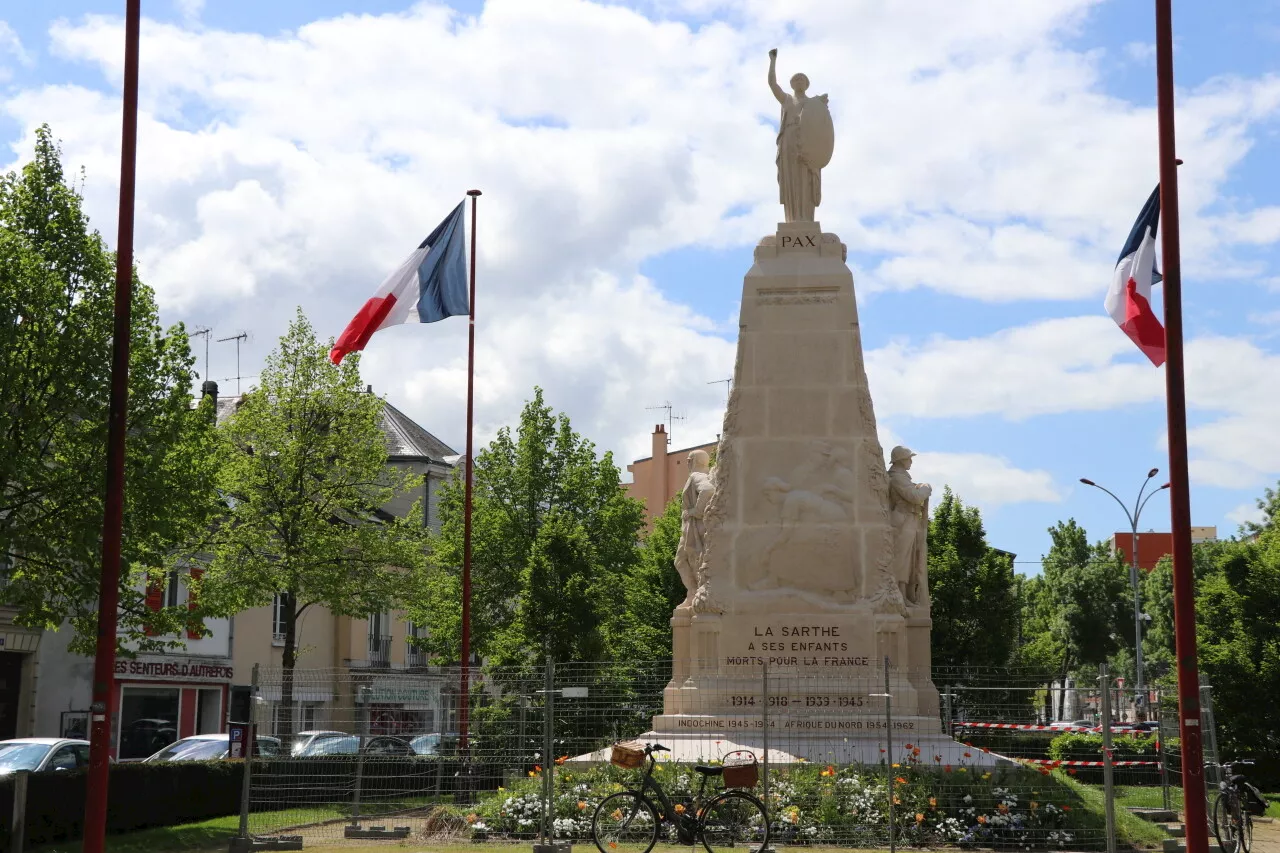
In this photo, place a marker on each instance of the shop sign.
(174, 669)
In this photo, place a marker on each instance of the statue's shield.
(817, 134)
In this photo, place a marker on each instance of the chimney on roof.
(368, 389)
(210, 389)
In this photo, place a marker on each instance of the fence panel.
(847, 757)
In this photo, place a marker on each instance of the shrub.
(139, 796)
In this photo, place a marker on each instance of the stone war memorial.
(802, 550)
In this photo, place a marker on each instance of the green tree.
(544, 475)
(56, 308)
(1269, 505)
(1088, 590)
(304, 468)
(642, 627)
(971, 587)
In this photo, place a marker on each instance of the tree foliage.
(544, 509)
(56, 310)
(1089, 591)
(642, 606)
(971, 587)
(304, 470)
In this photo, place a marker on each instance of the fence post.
(548, 746)
(764, 712)
(1160, 752)
(250, 740)
(1210, 730)
(362, 711)
(946, 705)
(18, 832)
(888, 749)
(1108, 780)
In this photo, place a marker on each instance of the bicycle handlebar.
(655, 747)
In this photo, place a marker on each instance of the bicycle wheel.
(1226, 823)
(625, 823)
(735, 819)
(1246, 832)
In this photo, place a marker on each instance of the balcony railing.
(379, 650)
(415, 656)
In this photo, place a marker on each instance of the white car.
(211, 748)
(313, 742)
(39, 754)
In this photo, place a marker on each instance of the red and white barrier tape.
(1088, 763)
(1025, 727)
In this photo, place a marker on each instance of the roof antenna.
(205, 332)
(728, 385)
(242, 336)
(671, 417)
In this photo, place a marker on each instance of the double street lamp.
(1133, 517)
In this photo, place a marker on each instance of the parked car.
(1147, 726)
(428, 744)
(212, 747)
(41, 754)
(303, 741)
(350, 745)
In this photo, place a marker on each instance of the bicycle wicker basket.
(741, 770)
(628, 754)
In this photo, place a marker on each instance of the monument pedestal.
(798, 610)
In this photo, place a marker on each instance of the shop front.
(159, 699)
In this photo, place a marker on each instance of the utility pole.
(242, 336)
(728, 385)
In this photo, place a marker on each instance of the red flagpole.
(1184, 605)
(464, 702)
(104, 663)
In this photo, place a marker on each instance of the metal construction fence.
(848, 755)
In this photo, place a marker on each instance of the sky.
(991, 156)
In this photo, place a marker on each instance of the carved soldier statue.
(697, 493)
(909, 515)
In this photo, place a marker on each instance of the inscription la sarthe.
(798, 638)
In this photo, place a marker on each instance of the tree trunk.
(284, 718)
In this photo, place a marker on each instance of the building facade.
(1154, 545)
(659, 477)
(159, 698)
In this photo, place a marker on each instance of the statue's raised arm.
(773, 77)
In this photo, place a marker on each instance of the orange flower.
(613, 845)
(562, 759)
(937, 759)
(537, 768)
(906, 746)
(900, 780)
(919, 817)
(982, 818)
(946, 768)
(472, 818)
(933, 802)
(1066, 808)
(1034, 805)
(968, 755)
(915, 751)
(582, 804)
(897, 801)
(679, 808)
(1003, 808)
(1071, 770)
(984, 749)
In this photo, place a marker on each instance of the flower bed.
(934, 804)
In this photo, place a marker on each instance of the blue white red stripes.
(432, 279)
(1129, 299)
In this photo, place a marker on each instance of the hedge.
(1078, 746)
(140, 796)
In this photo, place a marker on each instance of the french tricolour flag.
(1129, 300)
(433, 280)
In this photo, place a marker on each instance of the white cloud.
(978, 156)
(1245, 512)
(986, 480)
(11, 48)
(189, 9)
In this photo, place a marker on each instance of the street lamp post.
(1138, 504)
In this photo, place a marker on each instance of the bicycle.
(628, 822)
(1230, 811)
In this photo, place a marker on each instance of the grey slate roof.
(405, 438)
